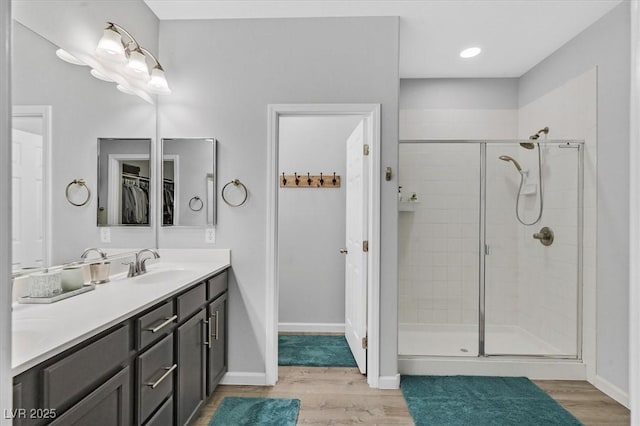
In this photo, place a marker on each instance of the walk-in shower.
(475, 282)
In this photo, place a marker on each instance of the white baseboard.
(389, 382)
(311, 327)
(244, 378)
(612, 390)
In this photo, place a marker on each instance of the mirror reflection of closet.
(124, 182)
(188, 182)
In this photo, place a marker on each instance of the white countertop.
(42, 331)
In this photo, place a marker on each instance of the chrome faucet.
(102, 254)
(139, 267)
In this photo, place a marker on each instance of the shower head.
(529, 145)
(535, 136)
(515, 163)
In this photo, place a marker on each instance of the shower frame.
(560, 143)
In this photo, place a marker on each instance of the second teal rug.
(234, 411)
(480, 401)
(314, 350)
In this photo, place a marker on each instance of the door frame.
(371, 113)
(44, 113)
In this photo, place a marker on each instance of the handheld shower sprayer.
(515, 163)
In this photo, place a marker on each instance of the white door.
(356, 257)
(27, 172)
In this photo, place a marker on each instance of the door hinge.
(365, 246)
(365, 149)
(365, 342)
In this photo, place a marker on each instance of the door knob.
(344, 251)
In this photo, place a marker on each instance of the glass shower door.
(532, 256)
(439, 248)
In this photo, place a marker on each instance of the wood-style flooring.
(341, 396)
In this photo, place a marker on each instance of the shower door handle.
(344, 251)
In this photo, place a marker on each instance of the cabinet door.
(109, 405)
(190, 390)
(217, 353)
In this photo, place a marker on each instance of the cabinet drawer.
(164, 415)
(191, 301)
(216, 285)
(72, 377)
(155, 324)
(155, 377)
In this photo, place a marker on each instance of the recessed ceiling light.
(470, 52)
(68, 57)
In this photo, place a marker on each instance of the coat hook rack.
(312, 181)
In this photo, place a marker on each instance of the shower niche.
(474, 279)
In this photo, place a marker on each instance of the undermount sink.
(161, 275)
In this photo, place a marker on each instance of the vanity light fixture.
(470, 52)
(124, 56)
(68, 57)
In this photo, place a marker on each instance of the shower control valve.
(545, 236)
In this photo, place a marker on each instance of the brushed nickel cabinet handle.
(207, 341)
(217, 316)
(163, 325)
(168, 371)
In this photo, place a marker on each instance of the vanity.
(145, 350)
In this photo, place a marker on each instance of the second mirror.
(188, 182)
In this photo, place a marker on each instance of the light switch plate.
(105, 235)
(210, 235)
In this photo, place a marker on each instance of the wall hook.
(297, 178)
(284, 179)
(334, 178)
(308, 178)
(321, 179)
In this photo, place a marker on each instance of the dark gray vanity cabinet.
(190, 349)
(217, 349)
(156, 368)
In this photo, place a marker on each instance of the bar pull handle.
(163, 325)
(216, 315)
(167, 372)
(207, 341)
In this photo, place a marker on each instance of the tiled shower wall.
(547, 279)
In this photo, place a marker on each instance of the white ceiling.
(514, 35)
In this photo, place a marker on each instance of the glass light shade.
(158, 83)
(97, 74)
(68, 57)
(110, 46)
(137, 65)
(470, 52)
(124, 89)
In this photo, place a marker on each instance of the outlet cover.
(105, 235)
(210, 235)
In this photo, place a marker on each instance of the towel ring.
(81, 183)
(197, 200)
(235, 182)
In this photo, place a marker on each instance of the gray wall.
(5, 210)
(311, 222)
(606, 44)
(459, 93)
(224, 73)
(83, 109)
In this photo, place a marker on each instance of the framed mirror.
(124, 182)
(189, 182)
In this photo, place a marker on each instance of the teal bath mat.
(235, 411)
(479, 401)
(314, 351)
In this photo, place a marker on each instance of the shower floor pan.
(462, 340)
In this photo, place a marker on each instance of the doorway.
(324, 228)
